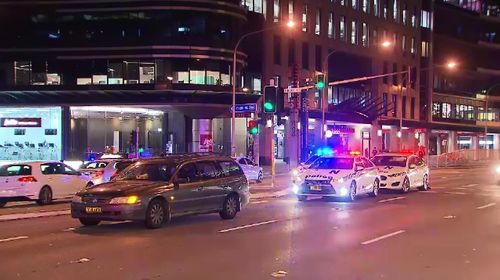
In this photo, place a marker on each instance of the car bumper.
(391, 182)
(244, 197)
(109, 212)
(27, 193)
(326, 190)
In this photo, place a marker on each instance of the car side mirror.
(413, 166)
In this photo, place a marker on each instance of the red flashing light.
(27, 179)
(407, 152)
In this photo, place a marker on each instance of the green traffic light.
(320, 85)
(254, 130)
(268, 106)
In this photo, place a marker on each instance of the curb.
(275, 194)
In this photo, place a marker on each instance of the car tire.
(157, 214)
(229, 207)
(376, 187)
(2, 204)
(302, 197)
(260, 177)
(45, 196)
(352, 191)
(425, 183)
(405, 187)
(89, 222)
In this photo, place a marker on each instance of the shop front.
(345, 137)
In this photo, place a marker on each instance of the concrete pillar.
(376, 136)
(65, 132)
(202, 135)
(475, 146)
(496, 141)
(452, 141)
(394, 139)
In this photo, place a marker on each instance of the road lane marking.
(382, 237)
(248, 226)
(449, 217)
(12, 217)
(471, 185)
(13, 238)
(429, 192)
(391, 199)
(259, 202)
(69, 229)
(459, 193)
(486, 206)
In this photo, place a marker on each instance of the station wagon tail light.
(27, 179)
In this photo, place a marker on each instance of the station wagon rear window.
(15, 170)
(230, 168)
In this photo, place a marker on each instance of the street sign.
(245, 108)
(292, 90)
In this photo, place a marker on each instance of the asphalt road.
(450, 232)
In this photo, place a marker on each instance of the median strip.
(247, 226)
(486, 206)
(13, 217)
(13, 238)
(382, 237)
(391, 199)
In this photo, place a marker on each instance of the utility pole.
(293, 121)
(304, 125)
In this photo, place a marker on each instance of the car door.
(188, 191)
(212, 184)
(72, 181)
(244, 166)
(421, 170)
(412, 168)
(361, 181)
(52, 178)
(370, 173)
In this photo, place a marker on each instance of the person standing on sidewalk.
(374, 151)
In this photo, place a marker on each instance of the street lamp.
(289, 24)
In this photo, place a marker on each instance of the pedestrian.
(374, 151)
(367, 153)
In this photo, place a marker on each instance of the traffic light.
(320, 81)
(253, 127)
(270, 94)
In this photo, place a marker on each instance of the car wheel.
(45, 196)
(405, 188)
(89, 222)
(230, 207)
(376, 186)
(2, 204)
(302, 197)
(352, 191)
(157, 214)
(260, 177)
(425, 183)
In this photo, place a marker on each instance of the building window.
(412, 108)
(277, 50)
(354, 4)
(403, 107)
(394, 105)
(436, 109)
(403, 43)
(257, 85)
(366, 6)
(405, 14)
(385, 103)
(395, 10)
(425, 49)
(365, 34)
(318, 58)
(425, 19)
(304, 18)
(330, 26)
(197, 77)
(290, 10)
(414, 17)
(354, 32)
(291, 52)
(446, 110)
(385, 8)
(305, 55)
(395, 77)
(342, 28)
(276, 11)
(375, 36)
(317, 25)
(376, 8)
(342, 2)
(253, 5)
(413, 48)
(386, 71)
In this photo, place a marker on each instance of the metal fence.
(463, 158)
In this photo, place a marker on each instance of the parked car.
(251, 169)
(154, 190)
(39, 181)
(402, 171)
(101, 171)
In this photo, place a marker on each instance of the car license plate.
(315, 188)
(93, 210)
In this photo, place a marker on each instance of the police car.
(346, 176)
(402, 171)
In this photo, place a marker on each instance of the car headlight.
(295, 189)
(125, 200)
(295, 172)
(341, 180)
(298, 179)
(77, 199)
(344, 191)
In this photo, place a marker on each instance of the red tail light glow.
(27, 179)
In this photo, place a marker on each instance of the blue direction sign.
(245, 108)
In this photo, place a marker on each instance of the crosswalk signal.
(270, 93)
(320, 81)
(253, 127)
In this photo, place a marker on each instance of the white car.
(337, 176)
(402, 171)
(102, 171)
(252, 170)
(39, 181)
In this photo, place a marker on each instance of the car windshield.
(148, 172)
(333, 163)
(121, 165)
(399, 161)
(311, 160)
(94, 165)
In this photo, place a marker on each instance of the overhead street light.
(290, 25)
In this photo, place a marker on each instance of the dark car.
(155, 190)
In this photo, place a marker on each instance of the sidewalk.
(280, 166)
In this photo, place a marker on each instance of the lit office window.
(403, 43)
(366, 6)
(395, 10)
(290, 10)
(354, 32)
(425, 19)
(365, 35)
(375, 36)
(414, 18)
(276, 10)
(330, 25)
(425, 49)
(385, 8)
(376, 7)
(413, 48)
(304, 18)
(405, 14)
(342, 2)
(354, 4)
(342, 28)
(317, 25)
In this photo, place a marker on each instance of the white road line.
(486, 206)
(460, 193)
(248, 226)
(13, 238)
(12, 217)
(391, 199)
(259, 202)
(429, 192)
(471, 185)
(382, 237)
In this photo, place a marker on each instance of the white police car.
(402, 171)
(337, 176)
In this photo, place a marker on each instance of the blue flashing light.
(325, 151)
(54, 36)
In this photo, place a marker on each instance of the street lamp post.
(289, 24)
(324, 96)
(486, 146)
